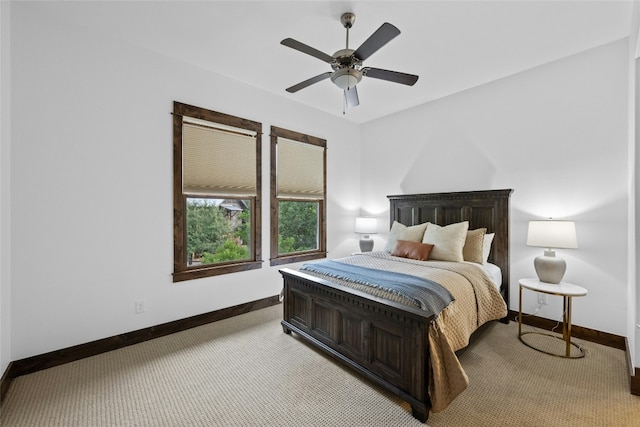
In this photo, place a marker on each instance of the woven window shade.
(300, 170)
(218, 162)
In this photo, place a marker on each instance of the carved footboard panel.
(384, 341)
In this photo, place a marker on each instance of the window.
(298, 197)
(216, 202)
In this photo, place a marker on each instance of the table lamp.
(366, 226)
(551, 235)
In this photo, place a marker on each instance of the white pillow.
(447, 241)
(402, 232)
(486, 246)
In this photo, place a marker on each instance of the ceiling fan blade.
(309, 82)
(379, 38)
(294, 44)
(390, 76)
(351, 96)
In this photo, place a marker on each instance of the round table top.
(562, 288)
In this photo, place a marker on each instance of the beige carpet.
(245, 372)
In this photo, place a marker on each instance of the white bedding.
(492, 270)
(494, 273)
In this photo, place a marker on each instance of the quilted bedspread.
(477, 301)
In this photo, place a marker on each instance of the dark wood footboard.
(384, 341)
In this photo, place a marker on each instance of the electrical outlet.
(140, 306)
(542, 299)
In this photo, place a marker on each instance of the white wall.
(633, 333)
(633, 322)
(90, 181)
(92, 185)
(557, 135)
(634, 294)
(5, 193)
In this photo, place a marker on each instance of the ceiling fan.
(347, 63)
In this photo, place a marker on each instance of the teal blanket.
(427, 294)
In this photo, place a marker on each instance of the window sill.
(210, 271)
(290, 259)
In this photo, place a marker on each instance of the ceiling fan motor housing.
(347, 72)
(345, 58)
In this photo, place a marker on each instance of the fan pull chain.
(344, 103)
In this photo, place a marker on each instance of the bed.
(399, 346)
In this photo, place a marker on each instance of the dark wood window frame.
(181, 271)
(321, 251)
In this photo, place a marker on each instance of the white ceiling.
(451, 45)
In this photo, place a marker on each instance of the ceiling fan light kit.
(346, 78)
(347, 63)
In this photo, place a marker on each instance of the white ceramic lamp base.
(366, 244)
(549, 268)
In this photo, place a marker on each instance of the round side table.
(566, 291)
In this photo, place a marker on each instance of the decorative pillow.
(394, 235)
(447, 241)
(413, 250)
(473, 245)
(402, 232)
(486, 246)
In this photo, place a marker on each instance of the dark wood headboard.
(489, 209)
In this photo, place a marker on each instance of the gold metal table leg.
(567, 323)
(566, 330)
(520, 313)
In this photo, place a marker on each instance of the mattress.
(493, 271)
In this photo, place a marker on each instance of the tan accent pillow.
(402, 232)
(473, 245)
(413, 250)
(447, 241)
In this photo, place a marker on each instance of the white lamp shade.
(366, 225)
(552, 234)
